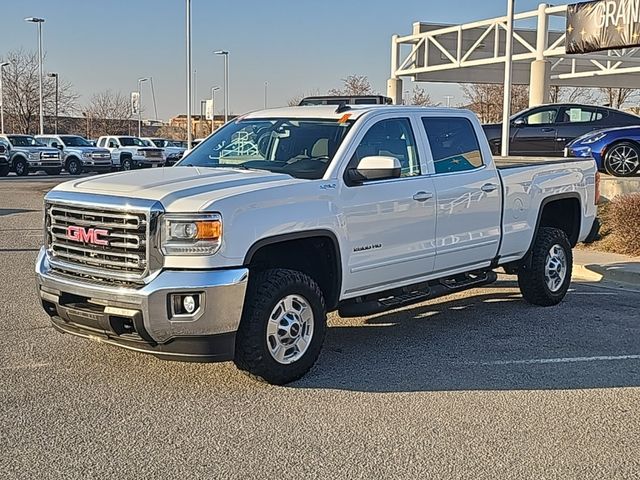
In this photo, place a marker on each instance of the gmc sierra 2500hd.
(282, 215)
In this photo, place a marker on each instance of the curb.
(611, 272)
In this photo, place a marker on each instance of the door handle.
(547, 129)
(488, 187)
(422, 196)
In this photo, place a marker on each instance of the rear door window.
(454, 144)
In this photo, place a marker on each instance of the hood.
(179, 189)
(86, 149)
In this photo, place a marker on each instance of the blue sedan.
(615, 150)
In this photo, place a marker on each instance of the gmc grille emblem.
(87, 235)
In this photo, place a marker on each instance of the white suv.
(128, 152)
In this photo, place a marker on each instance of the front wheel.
(546, 281)
(126, 164)
(622, 159)
(21, 167)
(282, 328)
(74, 167)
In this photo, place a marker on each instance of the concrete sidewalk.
(602, 266)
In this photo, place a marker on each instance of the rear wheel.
(282, 328)
(73, 166)
(622, 159)
(546, 281)
(4, 170)
(21, 167)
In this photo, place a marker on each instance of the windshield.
(302, 148)
(131, 142)
(24, 141)
(74, 141)
(161, 142)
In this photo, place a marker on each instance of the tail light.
(597, 196)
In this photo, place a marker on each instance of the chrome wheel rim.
(73, 167)
(20, 168)
(623, 160)
(555, 269)
(290, 329)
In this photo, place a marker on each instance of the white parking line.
(534, 361)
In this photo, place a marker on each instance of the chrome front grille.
(98, 244)
(101, 156)
(49, 156)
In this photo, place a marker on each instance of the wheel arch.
(291, 250)
(569, 201)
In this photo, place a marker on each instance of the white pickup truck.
(283, 215)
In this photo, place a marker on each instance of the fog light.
(189, 304)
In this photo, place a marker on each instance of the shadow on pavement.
(14, 211)
(451, 345)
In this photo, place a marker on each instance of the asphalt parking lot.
(477, 385)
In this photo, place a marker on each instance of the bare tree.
(354, 85)
(108, 112)
(295, 100)
(618, 97)
(558, 94)
(486, 100)
(420, 97)
(22, 96)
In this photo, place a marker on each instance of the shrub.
(623, 222)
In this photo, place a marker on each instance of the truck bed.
(503, 163)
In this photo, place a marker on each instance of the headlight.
(595, 138)
(141, 153)
(197, 234)
(87, 155)
(34, 156)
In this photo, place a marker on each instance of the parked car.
(27, 154)
(4, 158)
(615, 150)
(128, 152)
(78, 155)
(294, 212)
(346, 99)
(547, 129)
(172, 153)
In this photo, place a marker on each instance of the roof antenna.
(343, 107)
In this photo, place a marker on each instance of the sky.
(296, 46)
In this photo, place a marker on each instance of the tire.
(126, 163)
(4, 170)
(257, 337)
(21, 167)
(622, 159)
(53, 171)
(73, 166)
(548, 278)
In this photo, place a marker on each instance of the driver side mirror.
(375, 168)
(518, 122)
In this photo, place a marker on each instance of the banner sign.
(135, 103)
(209, 110)
(603, 25)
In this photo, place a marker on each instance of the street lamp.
(140, 80)
(188, 41)
(39, 22)
(55, 75)
(226, 82)
(2, 65)
(213, 110)
(266, 86)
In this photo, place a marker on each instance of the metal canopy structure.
(475, 53)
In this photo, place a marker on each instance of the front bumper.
(143, 319)
(147, 163)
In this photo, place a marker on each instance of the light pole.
(55, 75)
(2, 65)
(226, 82)
(140, 80)
(213, 109)
(508, 67)
(39, 22)
(266, 86)
(188, 35)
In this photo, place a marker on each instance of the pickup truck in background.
(128, 153)
(4, 158)
(240, 250)
(26, 154)
(78, 155)
(172, 152)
